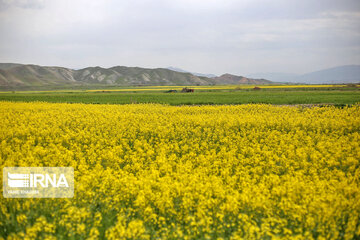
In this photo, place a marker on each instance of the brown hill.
(19, 75)
(233, 79)
(22, 76)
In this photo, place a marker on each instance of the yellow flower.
(157, 171)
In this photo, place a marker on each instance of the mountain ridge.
(339, 74)
(335, 75)
(23, 75)
(234, 79)
(193, 73)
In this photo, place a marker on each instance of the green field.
(268, 96)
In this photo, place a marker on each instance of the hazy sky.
(209, 36)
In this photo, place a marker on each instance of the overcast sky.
(209, 36)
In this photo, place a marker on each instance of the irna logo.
(33, 180)
(38, 182)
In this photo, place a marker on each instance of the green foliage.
(197, 98)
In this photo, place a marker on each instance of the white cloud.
(35, 4)
(200, 35)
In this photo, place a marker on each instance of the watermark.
(38, 182)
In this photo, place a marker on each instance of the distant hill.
(193, 73)
(33, 75)
(5, 66)
(275, 76)
(342, 74)
(336, 75)
(22, 76)
(13, 75)
(120, 75)
(233, 79)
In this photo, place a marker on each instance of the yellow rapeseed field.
(151, 171)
